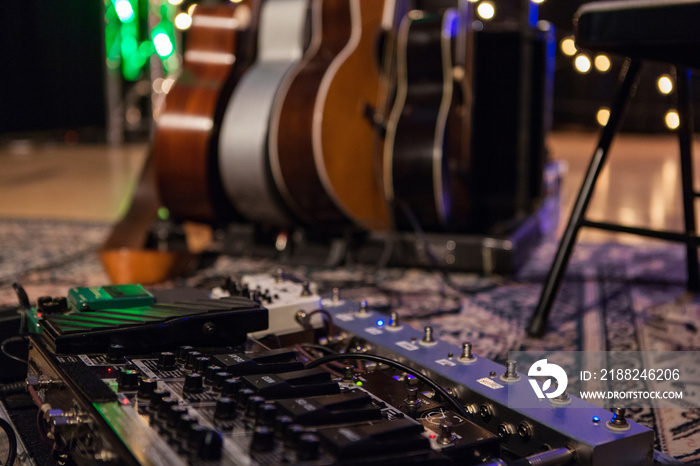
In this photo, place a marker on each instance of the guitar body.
(347, 145)
(243, 145)
(291, 150)
(219, 49)
(422, 146)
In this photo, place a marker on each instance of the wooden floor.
(641, 185)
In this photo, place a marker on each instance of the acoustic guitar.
(243, 145)
(291, 148)
(220, 47)
(179, 172)
(427, 131)
(345, 135)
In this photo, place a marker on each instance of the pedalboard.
(132, 385)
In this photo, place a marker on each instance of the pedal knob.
(210, 373)
(156, 397)
(307, 448)
(618, 422)
(254, 402)
(191, 358)
(231, 387)
(263, 439)
(244, 395)
(201, 364)
(164, 408)
(115, 354)
(166, 361)
(193, 383)
(225, 409)
(445, 431)
(183, 426)
(267, 415)
(174, 415)
(220, 379)
(146, 388)
(210, 446)
(183, 352)
(428, 337)
(128, 380)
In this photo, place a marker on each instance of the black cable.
(321, 348)
(436, 264)
(12, 440)
(456, 405)
(25, 306)
(6, 353)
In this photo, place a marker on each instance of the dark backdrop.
(51, 65)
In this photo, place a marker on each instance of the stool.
(659, 30)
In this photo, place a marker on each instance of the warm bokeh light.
(183, 21)
(582, 63)
(167, 84)
(602, 63)
(603, 116)
(190, 10)
(665, 84)
(175, 2)
(672, 119)
(568, 46)
(486, 10)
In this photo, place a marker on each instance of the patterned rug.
(614, 298)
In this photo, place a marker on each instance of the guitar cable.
(445, 274)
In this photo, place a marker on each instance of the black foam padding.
(88, 382)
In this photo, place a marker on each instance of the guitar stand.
(502, 252)
(295, 246)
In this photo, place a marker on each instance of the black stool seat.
(661, 30)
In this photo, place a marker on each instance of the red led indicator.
(433, 436)
(125, 401)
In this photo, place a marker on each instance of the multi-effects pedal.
(122, 375)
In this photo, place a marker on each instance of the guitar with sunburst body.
(220, 47)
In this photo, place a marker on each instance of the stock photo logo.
(545, 369)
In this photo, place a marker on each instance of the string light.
(603, 116)
(602, 63)
(183, 21)
(486, 10)
(665, 84)
(672, 119)
(568, 46)
(582, 63)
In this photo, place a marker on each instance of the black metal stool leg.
(538, 321)
(685, 135)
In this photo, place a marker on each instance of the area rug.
(614, 298)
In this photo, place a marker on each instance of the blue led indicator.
(380, 323)
(596, 419)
